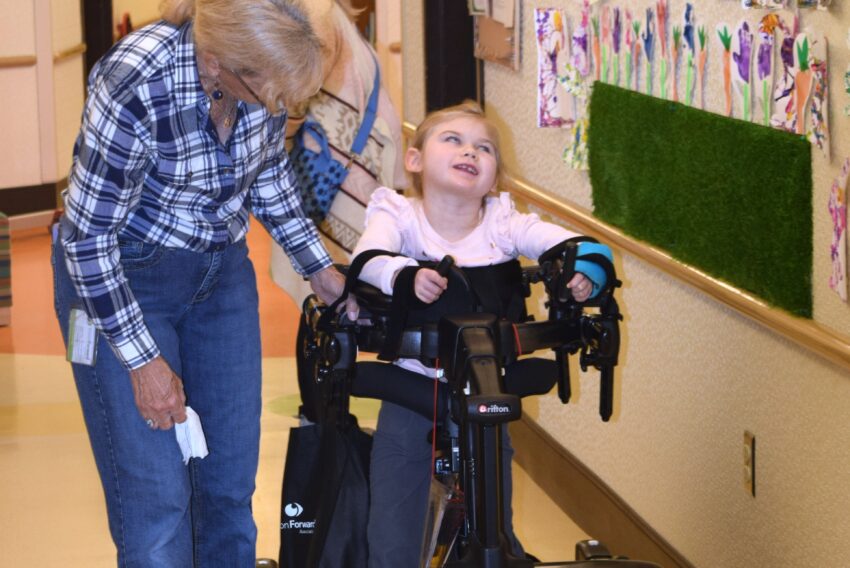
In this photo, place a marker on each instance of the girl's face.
(458, 157)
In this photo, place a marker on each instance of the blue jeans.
(202, 310)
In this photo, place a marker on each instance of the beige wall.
(694, 374)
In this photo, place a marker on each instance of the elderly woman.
(181, 139)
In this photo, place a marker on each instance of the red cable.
(516, 338)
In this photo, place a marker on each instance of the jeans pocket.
(136, 255)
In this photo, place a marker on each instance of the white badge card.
(82, 338)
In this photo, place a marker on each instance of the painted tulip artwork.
(742, 55)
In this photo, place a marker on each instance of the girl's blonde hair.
(466, 109)
(272, 37)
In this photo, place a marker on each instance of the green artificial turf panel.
(731, 198)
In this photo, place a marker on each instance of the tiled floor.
(51, 506)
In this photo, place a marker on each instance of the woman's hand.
(580, 286)
(159, 394)
(328, 284)
(428, 285)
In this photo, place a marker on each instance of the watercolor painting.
(784, 107)
(765, 56)
(819, 133)
(838, 246)
(648, 37)
(688, 34)
(742, 55)
(803, 80)
(726, 42)
(554, 106)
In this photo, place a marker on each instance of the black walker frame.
(473, 350)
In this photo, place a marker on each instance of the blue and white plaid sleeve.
(104, 185)
(276, 203)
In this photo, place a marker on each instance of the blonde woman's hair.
(272, 37)
(466, 109)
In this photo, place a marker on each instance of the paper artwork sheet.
(661, 10)
(554, 105)
(580, 49)
(838, 246)
(616, 43)
(648, 39)
(819, 133)
(804, 79)
(765, 56)
(784, 106)
(742, 55)
(725, 38)
(689, 33)
(702, 58)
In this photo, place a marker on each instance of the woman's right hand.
(428, 285)
(159, 394)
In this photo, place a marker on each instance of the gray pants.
(400, 478)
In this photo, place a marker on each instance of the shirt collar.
(187, 83)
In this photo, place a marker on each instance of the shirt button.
(227, 171)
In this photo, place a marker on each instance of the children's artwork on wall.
(574, 83)
(690, 53)
(606, 42)
(636, 54)
(497, 43)
(784, 108)
(616, 43)
(742, 55)
(597, 56)
(661, 11)
(819, 134)
(701, 60)
(579, 51)
(803, 80)
(648, 37)
(630, 43)
(674, 58)
(764, 65)
(838, 246)
(726, 41)
(847, 81)
(554, 106)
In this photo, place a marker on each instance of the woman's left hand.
(580, 286)
(328, 284)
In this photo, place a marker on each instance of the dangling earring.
(216, 93)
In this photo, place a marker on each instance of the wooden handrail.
(78, 49)
(18, 61)
(806, 333)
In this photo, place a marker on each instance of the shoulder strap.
(369, 114)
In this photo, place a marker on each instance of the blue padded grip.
(593, 271)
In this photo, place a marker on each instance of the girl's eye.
(485, 148)
(452, 138)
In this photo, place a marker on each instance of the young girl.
(454, 162)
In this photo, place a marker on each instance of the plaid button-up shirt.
(148, 166)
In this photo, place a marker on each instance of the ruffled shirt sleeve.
(522, 234)
(389, 218)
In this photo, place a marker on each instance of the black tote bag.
(325, 503)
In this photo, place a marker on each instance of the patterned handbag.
(318, 174)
